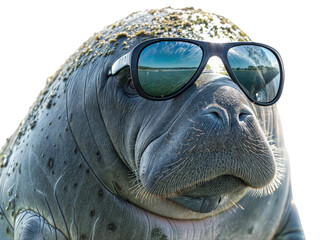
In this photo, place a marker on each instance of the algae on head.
(166, 22)
(121, 35)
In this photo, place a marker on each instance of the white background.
(36, 37)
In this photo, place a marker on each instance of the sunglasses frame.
(209, 50)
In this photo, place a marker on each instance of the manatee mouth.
(199, 204)
(207, 197)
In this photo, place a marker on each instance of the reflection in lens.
(257, 70)
(165, 67)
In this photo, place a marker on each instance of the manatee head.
(189, 157)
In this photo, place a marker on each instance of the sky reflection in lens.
(165, 67)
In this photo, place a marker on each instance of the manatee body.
(94, 160)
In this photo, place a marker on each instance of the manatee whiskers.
(258, 145)
(255, 148)
(169, 174)
(147, 196)
(176, 167)
(235, 204)
(138, 190)
(279, 174)
(141, 193)
(232, 202)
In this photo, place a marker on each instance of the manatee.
(94, 160)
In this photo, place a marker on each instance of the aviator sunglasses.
(163, 68)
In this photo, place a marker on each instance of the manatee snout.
(214, 148)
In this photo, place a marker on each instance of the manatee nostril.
(217, 114)
(243, 115)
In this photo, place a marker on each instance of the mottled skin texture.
(93, 160)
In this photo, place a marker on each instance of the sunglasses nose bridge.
(214, 52)
(215, 64)
(215, 49)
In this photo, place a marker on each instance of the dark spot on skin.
(10, 192)
(66, 129)
(65, 188)
(75, 150)
(75, 185)
(49, 104)
(100, 192)
(157, 234)
(88, 171)
(50, 163)
(112, 227)
(33, 124)
(98, 154)
(80, 166)
(250, 230)
(11, 204)
(7, 230)
(92, 213)
(83, 237)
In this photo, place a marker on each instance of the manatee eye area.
(125, 81)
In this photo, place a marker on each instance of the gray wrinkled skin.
(93, 160)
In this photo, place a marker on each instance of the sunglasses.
(163, 68)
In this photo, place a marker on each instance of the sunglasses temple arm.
(121, 63)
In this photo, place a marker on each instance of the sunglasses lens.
(167, 66)
(257, 69)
